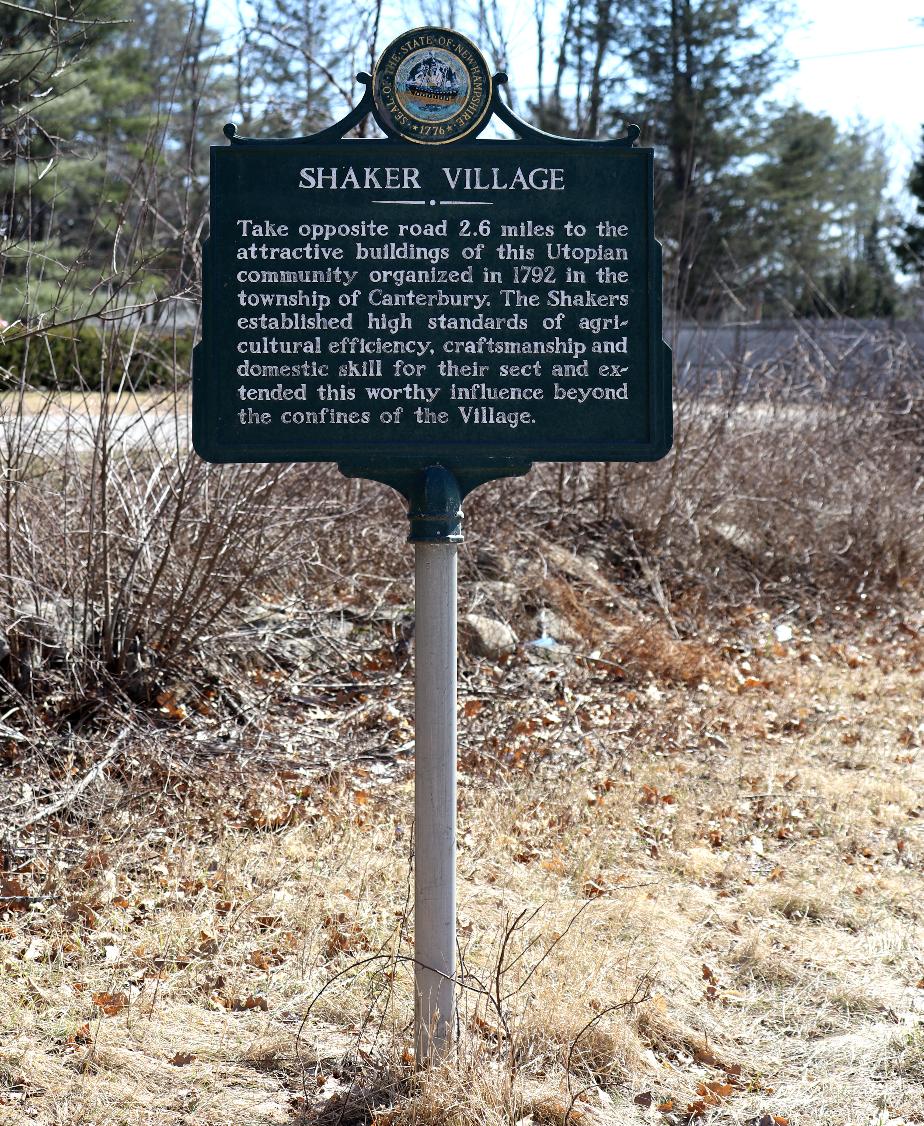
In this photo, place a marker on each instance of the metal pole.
(435, 798)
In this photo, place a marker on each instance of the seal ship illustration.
(434, 83)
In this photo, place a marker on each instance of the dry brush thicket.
(122, 551)
(690, 852)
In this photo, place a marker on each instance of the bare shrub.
(802, 474)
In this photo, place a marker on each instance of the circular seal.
(431, 86)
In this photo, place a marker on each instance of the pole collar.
(435, 507)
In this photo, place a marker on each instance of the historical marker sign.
(373, 301)
(432, 311)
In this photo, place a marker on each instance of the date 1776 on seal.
(432, 86)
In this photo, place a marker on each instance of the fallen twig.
(78, 788)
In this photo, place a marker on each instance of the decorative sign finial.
(432, 86)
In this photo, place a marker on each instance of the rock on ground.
(488, 637)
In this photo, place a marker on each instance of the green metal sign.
(392, 304)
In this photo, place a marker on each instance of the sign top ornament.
(431, 86)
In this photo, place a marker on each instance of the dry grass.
(726, 930)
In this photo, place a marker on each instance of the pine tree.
(910, 247)
(812, 234)
(702, 66)
(109, 155)
(43, 50)
(691, 73)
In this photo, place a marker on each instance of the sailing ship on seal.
(434, 82)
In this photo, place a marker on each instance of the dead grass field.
(690, 891)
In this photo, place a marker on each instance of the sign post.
(435, 782)
(432, 311)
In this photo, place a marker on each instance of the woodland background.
(108, 110)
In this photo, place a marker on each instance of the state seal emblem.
(431, 86)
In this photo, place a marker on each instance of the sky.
(862, 58)
(855, 59)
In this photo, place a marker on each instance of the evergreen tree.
(910, 247)
(863, 287)
(105, 177)
(691, 73)
(701, 67)
(44, 48)
(812, 232)
(757, 207)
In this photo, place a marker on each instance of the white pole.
(435, 799)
